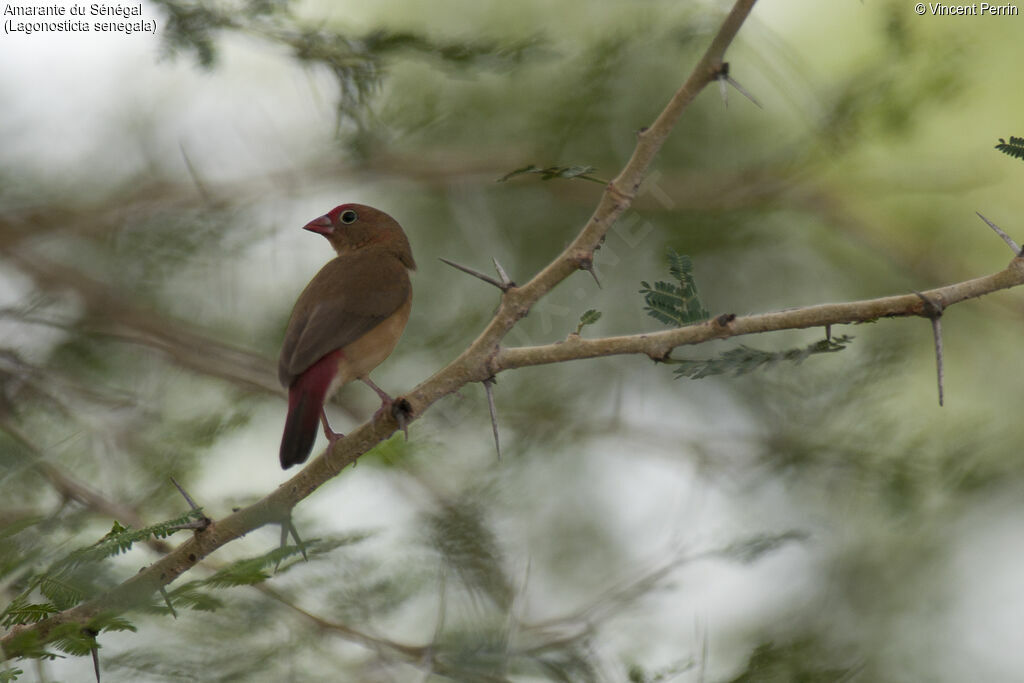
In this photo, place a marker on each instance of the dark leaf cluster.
(191, 27)
(552, 172)
(1013, 148)
(675, 303)
(743, 359)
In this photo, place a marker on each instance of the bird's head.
(351, 227)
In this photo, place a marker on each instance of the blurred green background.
(819, 522)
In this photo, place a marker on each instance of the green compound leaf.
(675, 303)
(1013, 148)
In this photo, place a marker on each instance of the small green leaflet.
(675, 303)
(589, 317)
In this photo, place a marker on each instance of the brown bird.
(346, 321)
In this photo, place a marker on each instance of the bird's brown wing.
(348, 297)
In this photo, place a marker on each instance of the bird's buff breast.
(364, 354)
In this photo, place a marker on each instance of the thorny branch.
(485, 357)
(658, 345)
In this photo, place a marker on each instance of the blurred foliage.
(551, 172)
(356, 61)
(466, 542)
(743, 359)
(790, 663)
(811, 515)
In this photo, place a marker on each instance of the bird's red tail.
(305, 404)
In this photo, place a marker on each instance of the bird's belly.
(364, 354)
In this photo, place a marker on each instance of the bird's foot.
(399, 409)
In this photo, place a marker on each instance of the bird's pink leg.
(331, 435)
(386, 406)
(385, 399)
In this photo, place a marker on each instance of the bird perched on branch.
(346, 321)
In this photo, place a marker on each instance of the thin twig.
(506, 281)
(412, 652)
(937, 334)
(475, 273)
(194, 174)
(184, 494)
(167, 601)
(1006, 238)
(199, 524)
(288, 528)
(933, 311)
(724, 77)
(94, 650)
(489, 388)
(420, 656)
(731, 81)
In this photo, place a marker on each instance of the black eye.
(348, 216)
